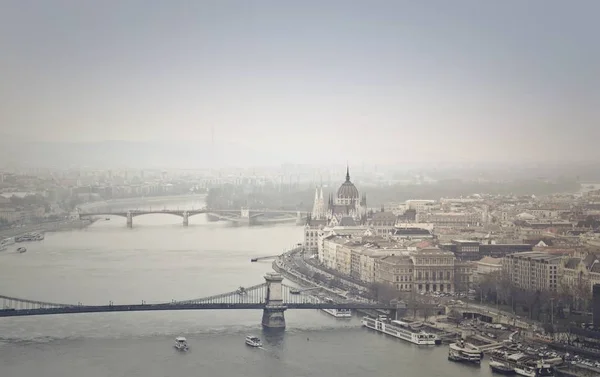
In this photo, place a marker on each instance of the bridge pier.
(273, 317)
(129, 219)
(185, 219)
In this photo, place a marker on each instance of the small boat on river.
(21, 250)
(253, 341)
(181, 344)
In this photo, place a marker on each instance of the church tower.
(319, 210)
(315, 209)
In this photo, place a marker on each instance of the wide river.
(160, 260)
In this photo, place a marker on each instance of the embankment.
(51, 226)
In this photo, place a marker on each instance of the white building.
(486, 266)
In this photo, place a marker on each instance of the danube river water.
(160, 260)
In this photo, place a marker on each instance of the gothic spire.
(347, 173)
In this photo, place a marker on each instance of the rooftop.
(536, 255)
(490, 261)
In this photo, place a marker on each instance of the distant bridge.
(244, 215)
(272, 297)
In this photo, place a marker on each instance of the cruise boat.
(464, 352)
(501, 367)
(181, 344)
(540, 370)
(402, 330)
(253, 341)
(337, 313)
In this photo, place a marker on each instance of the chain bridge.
(272, 296)
(244, 215)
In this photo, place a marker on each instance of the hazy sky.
(337, 80)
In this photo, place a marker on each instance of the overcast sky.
(336, 80)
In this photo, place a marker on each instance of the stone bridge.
(243, 216)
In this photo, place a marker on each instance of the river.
(160, 260)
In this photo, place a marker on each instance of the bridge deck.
(172, 307)
(254, 297)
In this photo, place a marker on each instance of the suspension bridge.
(272, 296)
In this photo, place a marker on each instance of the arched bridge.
(273, 297)
(244, 215)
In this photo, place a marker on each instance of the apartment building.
(464, 273)
(395, 270)
(451, 219)
(425, 270)
(575, 271)
(533, 270)
(383, 223)
(433, 270)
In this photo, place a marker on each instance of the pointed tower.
(322, 209)
(315, 209)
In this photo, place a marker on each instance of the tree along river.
(160, 260)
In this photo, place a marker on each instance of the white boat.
(501, 367)
(21, 250)
(544, 369)
(181, 344)
(402, 330)
(540, 370)
(337, 313)
(464, 352)
(7, 241)
(525, 371)
(253, 341)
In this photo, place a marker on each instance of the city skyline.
(304, 83)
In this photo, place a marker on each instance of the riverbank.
(51, 226)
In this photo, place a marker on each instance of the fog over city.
(299, 188)
(244, 83)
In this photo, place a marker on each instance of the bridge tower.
(185, 218)
(273, 312)
(129, 219)
(245, 213)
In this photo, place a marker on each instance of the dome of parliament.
(347, 189)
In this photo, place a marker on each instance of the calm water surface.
(160, 260)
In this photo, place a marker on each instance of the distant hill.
(128, 154)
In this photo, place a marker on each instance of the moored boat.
(464, 352)
(7, 242)
(501, 367)
(526, 371)
(253, 341)
(544, 369)
(337, 313)
(402, 330)
(181, 344)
